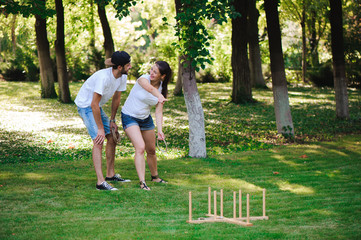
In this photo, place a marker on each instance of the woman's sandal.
(144, 187)
(157, 177)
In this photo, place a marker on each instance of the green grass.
(47, 179)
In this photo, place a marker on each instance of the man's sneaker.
(105, 186)
(117, 178)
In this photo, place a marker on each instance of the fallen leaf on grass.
(304, 156)
(275, 173)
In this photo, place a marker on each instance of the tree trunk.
(241, 89)
(313, 41)
(255, 63)
(197, 137)
(64, 92)
(280, 91)
(108, 38)
(45, 62)
(304, 47)
(178, 86)
(339, 74)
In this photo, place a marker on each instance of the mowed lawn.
(313, 184)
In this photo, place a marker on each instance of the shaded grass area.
(18, 147)
(229, 128)
(47, 178)
(315, 195)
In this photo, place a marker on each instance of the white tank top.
(140, 101)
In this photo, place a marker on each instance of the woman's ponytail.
(164, 68)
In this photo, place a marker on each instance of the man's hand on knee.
(99, 139)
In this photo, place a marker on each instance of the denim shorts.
(144, 124)
(88, 118)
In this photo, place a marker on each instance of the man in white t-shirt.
(95, 92)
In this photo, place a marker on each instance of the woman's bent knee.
(151, 151)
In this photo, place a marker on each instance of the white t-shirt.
(140, 101)
(102, 82)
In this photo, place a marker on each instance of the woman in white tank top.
(150, 90)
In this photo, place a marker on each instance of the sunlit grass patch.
(294, 188)
(224, 182)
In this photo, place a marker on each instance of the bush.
(14, 74)
(323, 76)
(20, 66)
(353, 71)
(207, 76)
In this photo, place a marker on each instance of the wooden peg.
(234, 205)
(190, 206)
(247, 208)
(264, 202)
(240, 204)
(215, 204)
(222, 203)
(209, 201)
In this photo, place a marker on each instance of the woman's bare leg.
(136, 138)
(149, 139)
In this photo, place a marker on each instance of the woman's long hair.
(164, 68)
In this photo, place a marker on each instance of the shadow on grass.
(20, 147)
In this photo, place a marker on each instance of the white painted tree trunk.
(197, 136)
(279, 82)
(338, 58)
(282, 110)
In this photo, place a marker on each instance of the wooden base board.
(221, 219)
(243, 218)
(243, 221)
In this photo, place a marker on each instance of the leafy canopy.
(191, 29)
(26, 8)
(122, 7)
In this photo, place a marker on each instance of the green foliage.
(150, 39)
(293, 56)
(147, 29)
(193, 36)
(221, 69)
(26, 8)
(122, 7)
(207, 76)
(102, 3)
(287, 132)
(352, 13)
(18, 58)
